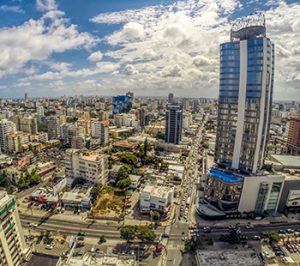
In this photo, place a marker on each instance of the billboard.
(293, 199)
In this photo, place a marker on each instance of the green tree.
(123, 172)
(102, 239)
(273, 236)
(146, 234)
(128, 232)
(129, 158)
(124, 183)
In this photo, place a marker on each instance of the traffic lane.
(91, 224)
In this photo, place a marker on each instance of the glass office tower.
(173, 129)
(245, 98)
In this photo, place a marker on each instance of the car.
(206, 229)
(33, 225)
(81, 233)
(165, 235)
(255, 237)
(281, 231)
(289, 231)
(249, 226)
(48, 247)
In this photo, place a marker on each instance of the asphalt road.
(69, 227)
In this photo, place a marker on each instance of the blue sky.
(73, 47)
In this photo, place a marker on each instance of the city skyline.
(144, 47)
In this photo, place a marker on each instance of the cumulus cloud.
(131, 31)
(130, 70)
(96, 56)
(179, 43)
(38, 39)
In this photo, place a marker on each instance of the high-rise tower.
(245, 98)
(173, 124)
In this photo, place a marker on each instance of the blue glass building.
(121, 104)
(245, 98)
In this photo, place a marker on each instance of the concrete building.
(28, 124)
(39, 137)
(5, 128)
(126, 120)
(173, 129)
(15, 141)
(13, 249)
(156, 198)
(293, 140)
(40, 111)
(100, 130)
(261, 193)
(91, 166)
(245, 98)
(53, 127)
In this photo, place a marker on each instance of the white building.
(91, 166)
(40, 111)
(126, 120)
(100, 130)
(261, 193)
(157, 198)
(5, 128)
(13, 249)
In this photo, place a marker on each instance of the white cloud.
(131, 31)
(16, 9)
(46, 5)
(130, 70)
(178, 44)
(38, 39)
(96, 56)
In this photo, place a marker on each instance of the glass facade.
(121, 104)
(256, 105)
(173, 124)
(223, 190)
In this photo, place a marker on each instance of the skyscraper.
(293, 140)
(12, 244)
(173, 124)
(171, 98)
(245, 98)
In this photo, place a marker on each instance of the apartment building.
(91, 166)
(13, 249)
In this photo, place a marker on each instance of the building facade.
(293, 140)
(121, 104)
(173, 128)
(89, 166)
(245, 97)
(154, 198)
(5, 128)
(13, 249)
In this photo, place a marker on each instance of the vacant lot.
(107, 205)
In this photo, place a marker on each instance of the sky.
(98, 47)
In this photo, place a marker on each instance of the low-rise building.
(76, 200)
(156, 198)
(90, 166)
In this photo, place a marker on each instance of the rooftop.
(288, 161)
(157, 191)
